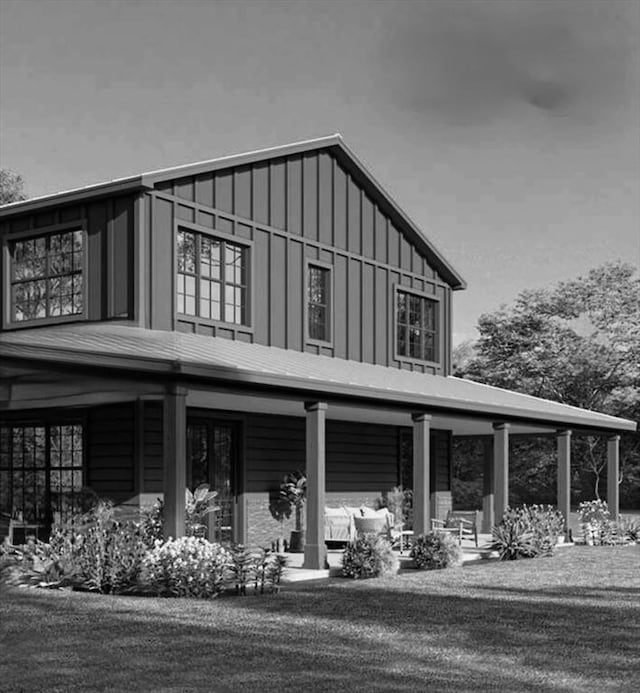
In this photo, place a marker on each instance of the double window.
(416, 326)
(41, 471)
(319, 303)
(46, 276)
(212, 279)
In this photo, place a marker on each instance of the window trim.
(8, 323)
(401, 288)
(310, 262)
(225, 237)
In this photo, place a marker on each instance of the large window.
(319, 303)
(416, 327)
(212, 279)
(46, 276)
(41, 472)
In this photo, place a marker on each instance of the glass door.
(211, 458)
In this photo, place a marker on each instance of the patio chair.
(381, 524)
(459, 523)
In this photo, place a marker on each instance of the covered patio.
(77, 366)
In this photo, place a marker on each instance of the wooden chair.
(460, 523)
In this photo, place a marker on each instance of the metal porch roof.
(152, 351)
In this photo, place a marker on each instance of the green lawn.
(567, 623)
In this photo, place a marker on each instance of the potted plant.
(293, 495)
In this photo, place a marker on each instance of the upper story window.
(46, 276)
(416, 326)
(319, 303)
(212, 280)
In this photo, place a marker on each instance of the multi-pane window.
(416, 326)
(41, 472)
(46, 276)
(318, 303)
(212, 278)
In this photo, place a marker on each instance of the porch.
(343, 422)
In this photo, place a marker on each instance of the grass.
(566, 623)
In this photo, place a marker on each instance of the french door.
(212, 458)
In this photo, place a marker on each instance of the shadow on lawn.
(339, 637)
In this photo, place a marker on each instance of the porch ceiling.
(200, 360)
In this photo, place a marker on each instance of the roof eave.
(115, 187)
(177, 368)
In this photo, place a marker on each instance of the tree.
(11, 187)
(577, 343)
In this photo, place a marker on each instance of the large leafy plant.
(293, 495)
(198, 504)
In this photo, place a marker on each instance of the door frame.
(210, 417)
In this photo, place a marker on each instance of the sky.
(508, 130)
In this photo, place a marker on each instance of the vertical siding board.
(261, 193)
(184, 188)
(393, 245)
(339, 216)
(416, 261)
(355, 310)
(260, 311)
(340, 307)
(163, 299)
(96, 232)
(295, 296)
(368, 232)
(204, 190)
(381, 315)
(278, 291)
(278, 195)
(310, 196)
(368, 294)
(122, 270)
(325, 198)
(405, 254)
(223, 183)
(354, 230)
(381, 240)
(242, 192)
(294, 195)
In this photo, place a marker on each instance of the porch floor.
(294, 572)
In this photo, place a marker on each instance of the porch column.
(501, 468)
(564, 476)
(421, 473)
(315, 553)
(613, 471)
(174, 458)
(488, 498)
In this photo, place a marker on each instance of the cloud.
(472, 61)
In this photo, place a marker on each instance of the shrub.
(629, 527)
(259, 567)
(368, 556)
(595, 522)
(151, 523)
(187, 567)
(527, 532)
(435, 550)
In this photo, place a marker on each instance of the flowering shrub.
(187, 567)
(151, 523)
(435, 550)
(595, 522)
(369, 556)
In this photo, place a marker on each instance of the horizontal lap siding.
(293, 210)
(153, 464)
(110, 440)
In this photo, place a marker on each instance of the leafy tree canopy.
(576, 343)
(11, 187)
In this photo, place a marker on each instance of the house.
(234, 320)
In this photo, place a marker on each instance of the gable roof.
(176, 354)
(334, 143)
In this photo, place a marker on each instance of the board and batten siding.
(292, 211)
(109, 224)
